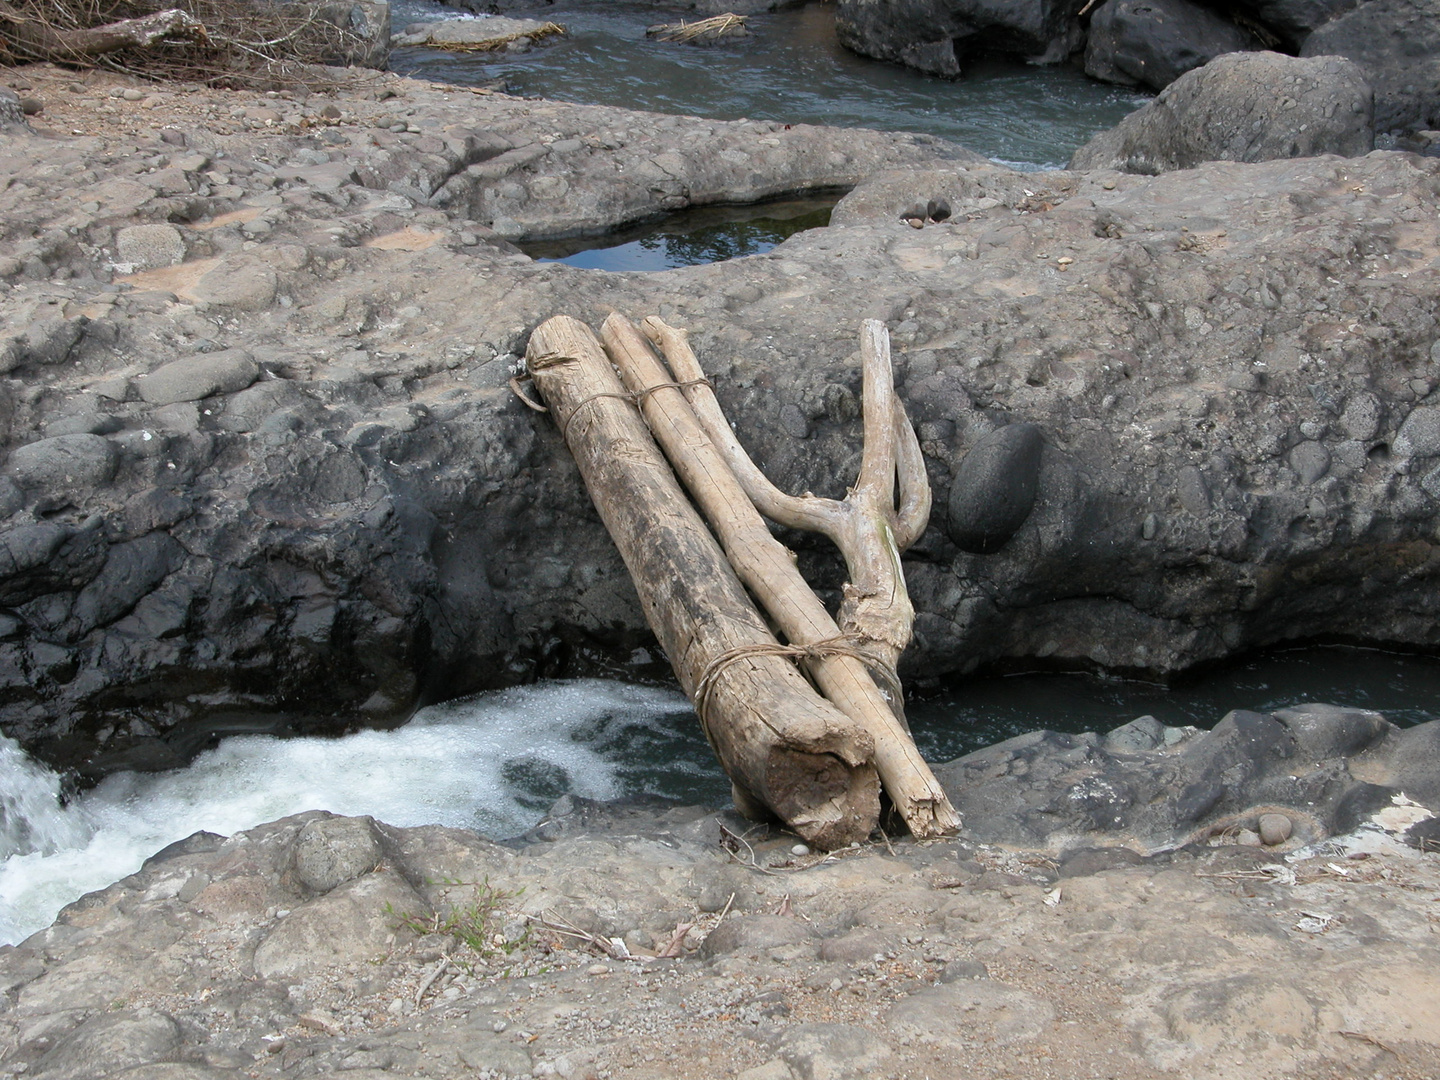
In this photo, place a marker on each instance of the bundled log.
(879, 611)
(784, 747)
(684, 581)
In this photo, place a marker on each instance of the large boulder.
(1397, 45)
(934, 36)
(1153, 42)
(1242, 107)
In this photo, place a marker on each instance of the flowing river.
(496, 761)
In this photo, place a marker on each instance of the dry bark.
(783, 745)
(866, 528)
(38, 40)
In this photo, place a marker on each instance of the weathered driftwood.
(783, 745)
(865, 526)
(705, 32)
(31, 37)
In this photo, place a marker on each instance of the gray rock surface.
(1153, 788)
(63, 464)
(496, 32)
(144, 247)
(1242, 107)
(331, 851)
(382, 521)
(995, 488)
(1397, 44)
(214, 961)
(1153, 42)
(1293, 20)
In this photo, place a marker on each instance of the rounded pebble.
(1275, 829)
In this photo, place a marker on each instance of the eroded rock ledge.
(321, 944)
(262, 460)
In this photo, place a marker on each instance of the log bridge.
(811, 728)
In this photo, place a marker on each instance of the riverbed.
(495, 762)
(793, 70)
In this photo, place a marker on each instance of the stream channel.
(495, 762)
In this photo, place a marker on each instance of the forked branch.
(868, 526)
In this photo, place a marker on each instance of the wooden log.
(783, 745)
(867, 526)
(34, 38)
(769, 570)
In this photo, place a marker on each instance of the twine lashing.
(843, 645)
(636, 398)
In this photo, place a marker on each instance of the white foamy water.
(492, 763)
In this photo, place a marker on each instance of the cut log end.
(829, 803)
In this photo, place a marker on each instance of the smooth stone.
(1275, 829)
(995, 489)
(109, 1042)
(750, 933)
(354, 922)
(64, 461)
(192, 378)
(832, 1052)
(1310, 461)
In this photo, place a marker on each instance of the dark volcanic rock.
(1293, 20)
(1397, 45)
(1322, 767)
(995, 489)
(1153, 42)
(1242, 107)
(935, 36)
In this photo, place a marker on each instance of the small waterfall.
(32, 816)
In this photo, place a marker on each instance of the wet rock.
(482, 34)
(1197, 787)
(1153, 42)
(1396, 43)
(195, 377)
(755, 933)
(1230, 110)
(1294, 20)
(132, 570)
(144, 247)
(333, 850)
(935, 38)
(995, 489)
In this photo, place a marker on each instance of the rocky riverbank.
(1265, 908)
(263, 461)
